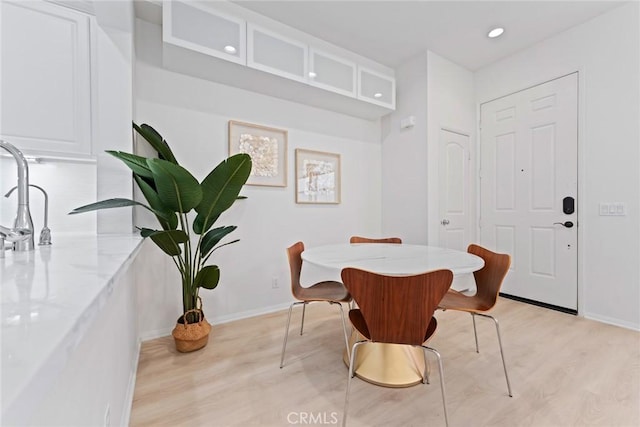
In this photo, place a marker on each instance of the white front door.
(528, 189)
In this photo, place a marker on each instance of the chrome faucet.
(23, 223)
(45, 234)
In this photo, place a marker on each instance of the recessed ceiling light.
(377, 95)
(230, 49)
(312, 74)
(496, 32)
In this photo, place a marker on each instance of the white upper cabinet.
(194, 27)
(271, 52)
(332, 73)
(45, 89)
(377, 88)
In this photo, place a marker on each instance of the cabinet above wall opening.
(252, 52)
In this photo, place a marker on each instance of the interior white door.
(454, 190)
(528, 189)
(455, 218)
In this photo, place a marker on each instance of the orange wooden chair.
(395, 310)
(358, 239)
(488, 282)
(328, 291)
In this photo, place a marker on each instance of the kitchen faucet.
(45, 234)
(23, 223)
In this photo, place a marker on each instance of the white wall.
(404, 157)
(606, 53)
(192, 114)
(440, 95)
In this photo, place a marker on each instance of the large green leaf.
(208, 277)
(213, 237)
(156, 141)
(221, 189)
(137, 164)
(177, 189)
(167, 219)
(108, 204)
(167, 240)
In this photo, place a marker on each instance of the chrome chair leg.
(444, 399)
(286, 333)
(351, 375)
(475, 333)
(504, 364)
(304, 306)
(344, 327)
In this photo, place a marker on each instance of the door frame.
(581, 221)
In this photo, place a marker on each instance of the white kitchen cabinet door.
(45, 87)
(376, 88)
(271, 52)
(203, 30)
(333, 73)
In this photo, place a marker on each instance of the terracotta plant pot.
(191, 336)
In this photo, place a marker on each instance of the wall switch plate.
(613, 209)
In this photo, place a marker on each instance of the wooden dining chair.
(488, 282)
(395, 310)
(328, 291)
(358, 239)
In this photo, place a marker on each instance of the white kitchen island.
(69, 340)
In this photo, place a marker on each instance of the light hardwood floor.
(564, 370)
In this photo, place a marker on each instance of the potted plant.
(172, 192)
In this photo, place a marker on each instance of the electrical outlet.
(274, 282)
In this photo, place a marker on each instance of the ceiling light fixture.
(312, 74)
(377, 95)
(496, 32)
(230, 49)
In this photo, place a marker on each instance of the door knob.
(444, 222)
(567, 224)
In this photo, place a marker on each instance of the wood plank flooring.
(564, 371)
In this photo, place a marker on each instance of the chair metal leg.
(286, 333)
(475, 333)
(444, 399)
(344, 327)
(351, 375)
(304, 306)
(504, 364)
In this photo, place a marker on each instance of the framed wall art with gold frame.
(268, 150)
(317, 177)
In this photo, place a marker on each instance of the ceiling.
(391, 32)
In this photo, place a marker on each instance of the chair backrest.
(294, 252)
(397, 309)
(489, 279)
(358, 239)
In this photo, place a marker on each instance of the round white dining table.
(392, 259)
(389, 365)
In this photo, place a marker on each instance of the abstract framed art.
(317, 177)
(267, 148)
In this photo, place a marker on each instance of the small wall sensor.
(408, 122)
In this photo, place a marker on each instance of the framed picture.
(267, 148)
(317, 177)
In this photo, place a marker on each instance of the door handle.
(444, 222)
(567, 224)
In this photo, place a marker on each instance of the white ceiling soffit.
(391, 32)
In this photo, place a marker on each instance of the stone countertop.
(49, 298)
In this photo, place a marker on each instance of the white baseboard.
(163, 332)
(612, 321)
